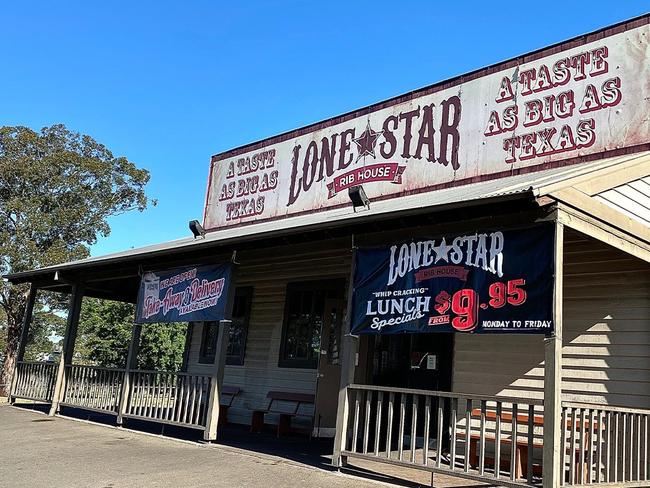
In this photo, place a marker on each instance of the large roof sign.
(518, 116)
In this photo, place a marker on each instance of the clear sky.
(167, 84)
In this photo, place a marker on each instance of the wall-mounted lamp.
(197, 229)
(358, 197)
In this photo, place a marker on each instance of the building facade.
(529, 364)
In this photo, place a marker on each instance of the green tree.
(162, 346)
(105, 333)
(57, 190)
(43, 334)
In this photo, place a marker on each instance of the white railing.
(93, 388)
(169, 398)
(34, 381)
(494, 439)
(605, 445)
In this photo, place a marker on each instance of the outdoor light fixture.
(358, 197)
(197, 229)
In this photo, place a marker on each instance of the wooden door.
(329, 369)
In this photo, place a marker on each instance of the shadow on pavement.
(297, 448)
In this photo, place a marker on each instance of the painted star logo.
(442, 251)
(366, 141)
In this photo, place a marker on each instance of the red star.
(367, 141)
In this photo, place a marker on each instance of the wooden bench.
(227, 392)
(521, 455)
(521, 446)
(274, 399)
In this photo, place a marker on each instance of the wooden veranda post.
(24, 333)
(131, 364)
(348, 365)
(350, 347)
(216, 382)
(552, 455)
(74, 309)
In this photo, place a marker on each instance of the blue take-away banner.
(197, 293)
(483, 282)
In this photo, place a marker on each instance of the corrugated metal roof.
(517, 185)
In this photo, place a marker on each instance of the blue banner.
(497, 281)
(197, 293)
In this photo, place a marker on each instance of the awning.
(553, 182)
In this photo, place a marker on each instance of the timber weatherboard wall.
(605, 360)
(606, 347)
(269, 272)
(269, 275)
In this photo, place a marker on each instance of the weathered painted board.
(588, 99)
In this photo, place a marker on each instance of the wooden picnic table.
(522, 446)
(521, 454)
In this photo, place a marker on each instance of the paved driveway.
(41, 451)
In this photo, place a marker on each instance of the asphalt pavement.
(41, 451)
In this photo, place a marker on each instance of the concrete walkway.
(37, 450)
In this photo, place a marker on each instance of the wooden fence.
(34, 381)
(170, 398)
(494, 439)
(93, 388)
(605, 445)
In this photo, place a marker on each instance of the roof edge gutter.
(28, 276)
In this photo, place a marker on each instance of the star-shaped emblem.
(442, 251)
(366, 141)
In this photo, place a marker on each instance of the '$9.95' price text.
(465, 303)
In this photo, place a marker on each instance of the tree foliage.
(47, 327)
(105, 333)
(57, 190)
(162, 347)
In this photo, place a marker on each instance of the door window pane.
(239, 327)
(303, 322)
(209, 342)
(238, 331)
(334, 329)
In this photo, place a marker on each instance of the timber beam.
(603, 231)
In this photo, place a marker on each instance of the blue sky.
(167, 84)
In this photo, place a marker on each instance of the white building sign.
(588, 99)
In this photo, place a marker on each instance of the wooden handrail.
(177, 373)
(447, 394)
(94, 367)
(35, 362)
(606, 408)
